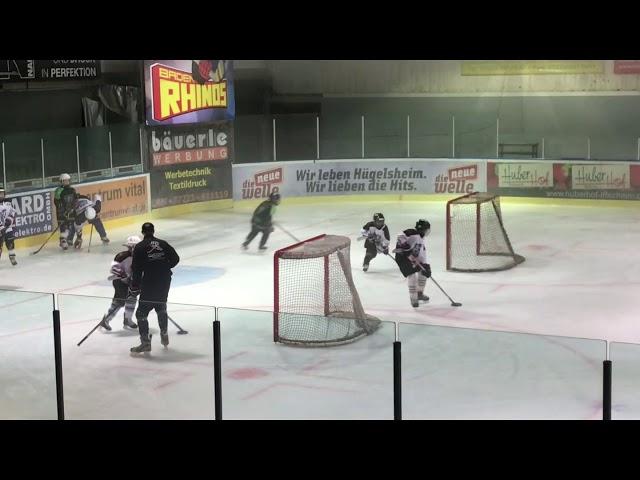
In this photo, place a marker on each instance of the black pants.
(7, 238)
(255, 229)
(372, 251)
(144, 308)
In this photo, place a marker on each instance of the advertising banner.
(188, 91)
(626, 67)
(34, 213)
(613, 181)
(531, 67)
(120, 197)
(298, 179)
(190, 163)
(21, 70)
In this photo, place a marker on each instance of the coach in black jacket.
(153, 260)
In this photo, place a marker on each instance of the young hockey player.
(7, 220)
(121, 276)
(377, 239)
(84, 211)
(262, 221)
(411, 257)
(65, 199)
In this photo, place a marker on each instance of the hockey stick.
(46, 241)
(87, 335)
(453, 304)
(181, 331)
(286, 231)
(90, 237)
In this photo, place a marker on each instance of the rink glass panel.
(456, 373)
(265, 380)
(625, 374)
(27, 362)
(102, 380)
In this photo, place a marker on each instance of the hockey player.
(377, 239)
(64, 197)
(7, 221)
(153, 260)
(84, 210)
(121, 277)
(262, 221)
(411, 257)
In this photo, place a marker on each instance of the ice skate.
(145, 346)
(129, 324)
(164, 338)
(422, 297)
(12, 259)
(262, 247)
(365, 267)
(105, 323)
(105, 240)
(63, 244)
(78, 243)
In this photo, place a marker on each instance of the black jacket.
(153, 260)
(262, 216)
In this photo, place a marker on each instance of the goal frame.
(358, 315)
(484, 197)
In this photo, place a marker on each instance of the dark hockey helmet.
(275, 197)
(423, 227)
(378, 219)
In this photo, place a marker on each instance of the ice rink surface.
(507, 355)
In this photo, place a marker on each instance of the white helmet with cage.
(65, 177)
(90, 213)
(132, 241)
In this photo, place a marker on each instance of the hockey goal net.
(476, 238)
(315, 299)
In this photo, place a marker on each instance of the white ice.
(503, 354)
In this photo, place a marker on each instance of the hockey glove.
(426, 270)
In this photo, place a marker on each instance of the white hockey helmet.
(132, 241)
(90, 213)
(65, 177)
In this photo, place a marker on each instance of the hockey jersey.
(81, 203)
(7, 216)
(411, 243)
(379, 236)
(121, 267)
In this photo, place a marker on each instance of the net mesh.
(316, 300)
(476, 238)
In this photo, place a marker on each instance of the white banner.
(358, 177)
(600, 177)
(525, 175)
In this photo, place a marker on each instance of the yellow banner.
(531, 67)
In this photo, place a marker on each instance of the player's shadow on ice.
(173, 354)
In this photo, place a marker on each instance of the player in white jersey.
(121, 276)
(87, 211)
(411, 256)
(377, 239)
(7, 221)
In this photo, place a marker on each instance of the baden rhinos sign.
(299, 179)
